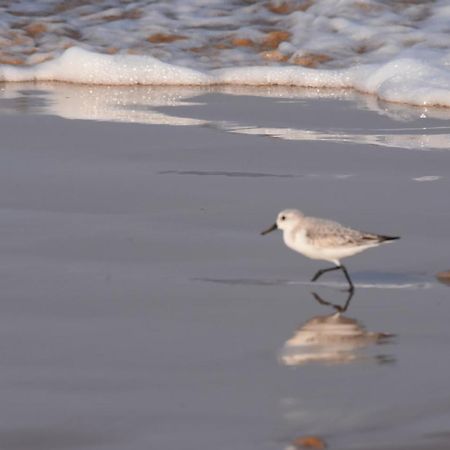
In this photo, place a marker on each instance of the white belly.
(332, 254)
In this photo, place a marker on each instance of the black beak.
(269, 230)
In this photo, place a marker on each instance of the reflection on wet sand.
(142, 104)
(333, 339)
(407, 138)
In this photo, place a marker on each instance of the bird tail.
(387, 238)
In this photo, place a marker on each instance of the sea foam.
(406, 79)
(398, 51)
(77, 65)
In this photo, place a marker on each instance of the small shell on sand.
(444, 277)
(307, 442)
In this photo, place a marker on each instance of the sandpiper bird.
(324, 239)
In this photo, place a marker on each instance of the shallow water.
(225, 33)
(141, 307)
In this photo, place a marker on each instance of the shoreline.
(429, 87)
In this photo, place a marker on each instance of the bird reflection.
(333, 339)
(336, 306)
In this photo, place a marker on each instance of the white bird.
(324, 239)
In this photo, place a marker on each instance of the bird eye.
(283, 217)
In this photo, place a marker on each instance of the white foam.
(423, 84)
(77, 65)
(399, 52)
(403, 80)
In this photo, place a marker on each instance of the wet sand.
(140, 307)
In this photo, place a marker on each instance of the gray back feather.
(327, 233)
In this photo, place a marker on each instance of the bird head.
(286, 220)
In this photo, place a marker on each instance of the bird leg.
(330, 269)
(351, 287)
(322, 271)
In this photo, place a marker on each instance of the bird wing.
(326, 233)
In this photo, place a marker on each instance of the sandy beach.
(140, 307)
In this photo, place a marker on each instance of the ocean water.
(397, 50)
